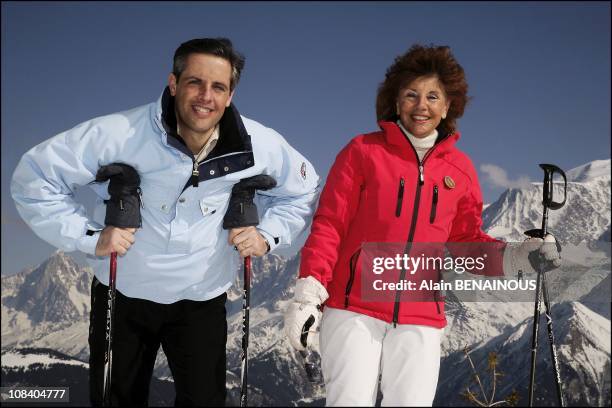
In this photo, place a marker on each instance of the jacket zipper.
(415, 213)
(349, 284)
(195, 174)
(434, 204)
(400, 197)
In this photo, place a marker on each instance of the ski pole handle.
(547, 193)
(247, 273)
(113, 268)
(547, 199)
(312, 370)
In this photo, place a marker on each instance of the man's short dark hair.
(220, 47)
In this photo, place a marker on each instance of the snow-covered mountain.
(582, 338)
(48, 306)
(59, 278)
(589, 171)
(585, 216)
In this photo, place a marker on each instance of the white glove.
(525, 256)
(303, 315)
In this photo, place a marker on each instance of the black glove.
(242, 211)
(123, 208)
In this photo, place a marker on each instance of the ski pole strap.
(123, 207)
(241, 211)
(547, 199)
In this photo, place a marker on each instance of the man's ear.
(172, 84)
(229, 100)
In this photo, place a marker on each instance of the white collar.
(420, 142)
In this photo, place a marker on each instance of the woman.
(405, 183)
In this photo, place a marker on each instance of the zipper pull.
(421, 174)
(195, 174)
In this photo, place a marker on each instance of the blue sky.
(539, 75)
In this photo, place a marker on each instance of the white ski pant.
(356, 349)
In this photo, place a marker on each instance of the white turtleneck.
(421, 144)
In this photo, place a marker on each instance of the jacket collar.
(395, 137)
(233, 135)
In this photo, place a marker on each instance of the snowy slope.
(36, 367)
(18, 359)
(589, 171)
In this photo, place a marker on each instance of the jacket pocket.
(400, 198)
(434, 205)
(352, 269)
(209, 206)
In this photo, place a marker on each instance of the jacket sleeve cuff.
(87, 243)
(271, 241)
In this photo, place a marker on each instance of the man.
(189, 148)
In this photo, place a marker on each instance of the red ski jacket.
(378, 191)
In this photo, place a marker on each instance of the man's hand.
(113, 239)
(248, 241)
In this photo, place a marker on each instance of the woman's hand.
(303, 315)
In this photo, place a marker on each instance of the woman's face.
(422, 105)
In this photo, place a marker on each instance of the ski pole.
(245, 331)
(110, 312)
(242, 212)
(534, 337)
(541, 290)
(122, 211)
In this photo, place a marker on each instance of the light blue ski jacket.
(181, 251)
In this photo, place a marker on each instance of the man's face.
(201, 94)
